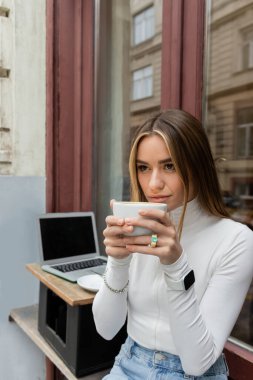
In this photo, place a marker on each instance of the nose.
(156, 182)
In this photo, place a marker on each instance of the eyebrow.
(165, 161)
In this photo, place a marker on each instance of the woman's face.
(156, 173)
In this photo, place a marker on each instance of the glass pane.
(245, 56)
(138, 34)
(138, 18)
(148, 86)
(148, 71)
(241, 142)
(124, 77)
(142, 83)
(138, 74)
(149, 12)
(245, 116)
(150, 28)
(228, 117)
(143, 23)
(251, 54)
(137, 86)
(251, 141)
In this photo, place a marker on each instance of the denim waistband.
(170, 361)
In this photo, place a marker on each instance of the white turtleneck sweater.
(193, 324)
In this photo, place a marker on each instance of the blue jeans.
(136, 362)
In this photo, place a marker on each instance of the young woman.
(182, 288)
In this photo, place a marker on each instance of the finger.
(162, 216)
(161, 252)
(117, 252)
(116, 242)
(166, 257)
(143, 240)
(156, 226)
(111, 202)
(117, 230)
(112, 220)
(113, 231)
(144, 249)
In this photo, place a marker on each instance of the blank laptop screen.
(65, 237)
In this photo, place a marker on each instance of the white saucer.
(91, 282)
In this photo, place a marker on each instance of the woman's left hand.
(168, 247)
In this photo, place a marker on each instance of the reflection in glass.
(127, 67)
(142, 83)
(143, 24)
(229, 116)
(247, 49)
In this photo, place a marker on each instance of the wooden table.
(68, 291)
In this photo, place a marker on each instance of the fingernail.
(127, 228)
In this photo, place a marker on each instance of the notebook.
(69, 245)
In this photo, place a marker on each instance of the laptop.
(69, 245)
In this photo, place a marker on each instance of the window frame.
(143, 80)
(243, 107)
(182, 81)
(144, 25)
(248, 131)
(247, 42)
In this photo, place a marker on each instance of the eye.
(142, 168)
(169, 167)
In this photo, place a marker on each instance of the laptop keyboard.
(79, 265)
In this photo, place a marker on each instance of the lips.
(159, 199)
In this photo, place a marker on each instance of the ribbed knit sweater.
(193, 324)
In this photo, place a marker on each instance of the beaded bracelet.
(114, 290)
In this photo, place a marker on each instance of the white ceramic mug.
(131, 210)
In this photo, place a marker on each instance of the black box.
(71, 332)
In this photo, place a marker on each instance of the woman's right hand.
(114, 237)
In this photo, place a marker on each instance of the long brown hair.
(187, 142)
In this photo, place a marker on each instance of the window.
(144, 25)
(247, 49)
(245, 133)
(243, 189)
(229, 100)
(143, 83)
(123, 73)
